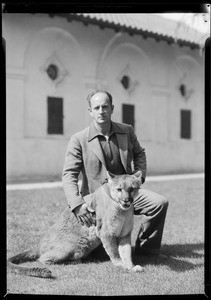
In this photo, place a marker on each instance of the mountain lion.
(67, 240)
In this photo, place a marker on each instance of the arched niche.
(124, 70)
(186, 93)
(52, 62)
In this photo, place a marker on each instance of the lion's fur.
(67, 240)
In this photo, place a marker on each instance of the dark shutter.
(185, 124)
(55, 115)
(128, 114)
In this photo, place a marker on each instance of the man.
(107, 145)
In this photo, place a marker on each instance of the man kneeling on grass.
(109, 146)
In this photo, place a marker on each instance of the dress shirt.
(110, 149)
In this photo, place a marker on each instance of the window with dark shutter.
(55, 115)
(185, 124)
(128, 114)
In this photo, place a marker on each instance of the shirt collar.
(93, 132)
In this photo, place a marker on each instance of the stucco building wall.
(88, 58)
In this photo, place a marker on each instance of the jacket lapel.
(122, 140)
(94, 146)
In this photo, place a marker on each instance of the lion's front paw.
(117, 262)
(137, 269)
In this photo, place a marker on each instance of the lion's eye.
(119, 189)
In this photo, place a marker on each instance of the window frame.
(55, 125)
(185, 124)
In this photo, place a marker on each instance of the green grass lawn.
(31, 212)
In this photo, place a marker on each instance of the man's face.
(101, 109)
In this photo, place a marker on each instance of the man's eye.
(119, 190)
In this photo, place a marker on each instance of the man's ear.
(90, 111)
(112, 108)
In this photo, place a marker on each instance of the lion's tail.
(30, 255)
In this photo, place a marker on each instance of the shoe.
(152, 256)
(159, 257)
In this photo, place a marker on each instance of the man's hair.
(96, 92)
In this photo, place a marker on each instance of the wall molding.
(160, 91)
(95, 83)
(16, 73)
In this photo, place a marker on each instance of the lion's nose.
(128, 199)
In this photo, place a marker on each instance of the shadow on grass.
(99, 254)
(180, 256)
(184, 250)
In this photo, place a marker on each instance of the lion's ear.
(110, 175)
(138, 174)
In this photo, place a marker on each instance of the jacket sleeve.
(139, 156)
(72, 167)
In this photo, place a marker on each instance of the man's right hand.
(84, 214)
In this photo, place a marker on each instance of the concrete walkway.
(43, 185)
